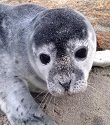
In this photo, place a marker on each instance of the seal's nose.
(66, 85)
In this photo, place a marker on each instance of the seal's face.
(63, 49)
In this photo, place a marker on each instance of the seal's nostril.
(66, 86)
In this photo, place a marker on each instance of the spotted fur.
(27, 31)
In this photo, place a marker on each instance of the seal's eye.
(44, 58)
(81, 53)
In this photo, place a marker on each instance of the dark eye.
(81, 53)
(44, 58)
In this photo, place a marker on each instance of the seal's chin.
(57, 90)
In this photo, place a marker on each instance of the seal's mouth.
(67, 89)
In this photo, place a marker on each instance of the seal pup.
(42, 49)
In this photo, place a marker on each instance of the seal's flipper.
(102, 58)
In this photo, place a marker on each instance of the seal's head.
(63, 48)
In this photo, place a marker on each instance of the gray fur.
(21, 43)
(15, 99)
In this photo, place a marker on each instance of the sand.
(93, 106)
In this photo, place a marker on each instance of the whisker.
(54, 107)
(44, 97)
(54, 100)
(95, 90)
(48, 98)
(40, 94)
(105, 102)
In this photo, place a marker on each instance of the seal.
(42, 49)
